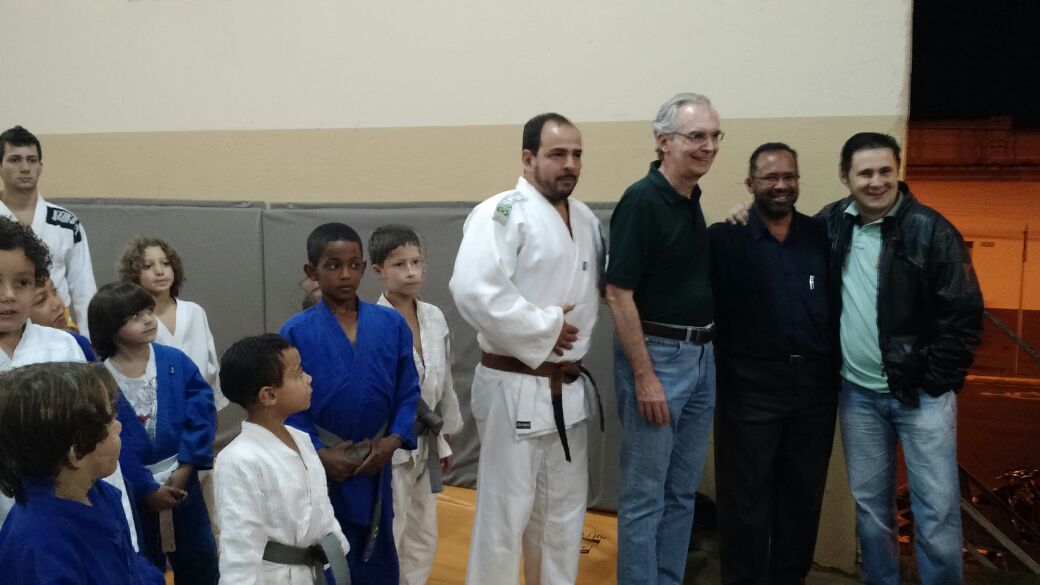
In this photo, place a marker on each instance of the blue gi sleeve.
(200, 417)
(407, 391)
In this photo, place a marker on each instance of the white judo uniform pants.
(415, 518)
(529, 497)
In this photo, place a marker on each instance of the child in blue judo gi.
(365, 393)
(58, 437)
(170, 430)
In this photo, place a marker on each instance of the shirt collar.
(853, 209)
(665, 189)
(759, 229)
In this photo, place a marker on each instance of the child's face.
(139, 330)
(48, 309)
(17, 289)
(294, 393)
(157, 275)
(338, 271)
(105, 456)
(403, 270)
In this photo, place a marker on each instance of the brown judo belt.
(559, 373)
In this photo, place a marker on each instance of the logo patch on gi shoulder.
(505, 206)
(66, 219)
(523, 424)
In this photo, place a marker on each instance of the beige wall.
(402, 100)
(181, 65)
(410, 164)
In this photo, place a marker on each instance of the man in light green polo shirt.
(861, 353)
(911, 318)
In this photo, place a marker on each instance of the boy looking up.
(397, 258)
(270, 484)
(365, 392)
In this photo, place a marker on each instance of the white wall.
(72, 66)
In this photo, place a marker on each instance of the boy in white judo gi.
(397, 258)
(526, 278)
(25, 265)
(277, 523)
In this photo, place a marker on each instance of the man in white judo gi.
(21, 163)
(526, 278)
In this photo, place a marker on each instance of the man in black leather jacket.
(911, 318)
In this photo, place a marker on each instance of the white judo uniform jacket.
(266, 491)
(415, 505)
(71, 269)
(193, 337)
(437, 388)
(517, 267)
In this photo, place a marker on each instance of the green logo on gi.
(505, 206)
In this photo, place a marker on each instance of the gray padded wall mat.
(218, 242)
(285, 230)
(244, 264)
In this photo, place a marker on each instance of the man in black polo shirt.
(664, 365)
(777, 377)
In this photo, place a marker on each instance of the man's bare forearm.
(629, 329)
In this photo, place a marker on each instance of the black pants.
(774, 429)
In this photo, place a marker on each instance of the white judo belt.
(161, 472)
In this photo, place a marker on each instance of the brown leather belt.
(694, 335)
(559, 373)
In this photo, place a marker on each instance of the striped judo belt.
(559, 373)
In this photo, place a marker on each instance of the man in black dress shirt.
(776, 377)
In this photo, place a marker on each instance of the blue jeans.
(661, 465)
(871, 423)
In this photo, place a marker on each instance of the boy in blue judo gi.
(365, 392)
(58, 436)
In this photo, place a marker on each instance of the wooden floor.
(455, 508)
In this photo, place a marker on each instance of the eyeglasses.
(771, 180)
(700, 138)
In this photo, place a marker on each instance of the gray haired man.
(659, 292)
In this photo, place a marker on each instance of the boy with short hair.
(365, 393)
(21, 163)
(58, 436)
(269, 482)
(397, 258)
(25, 264)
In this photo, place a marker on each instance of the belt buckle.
(796, 360)
(691, 335)
(698, 335)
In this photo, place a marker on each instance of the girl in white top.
(155, 266)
